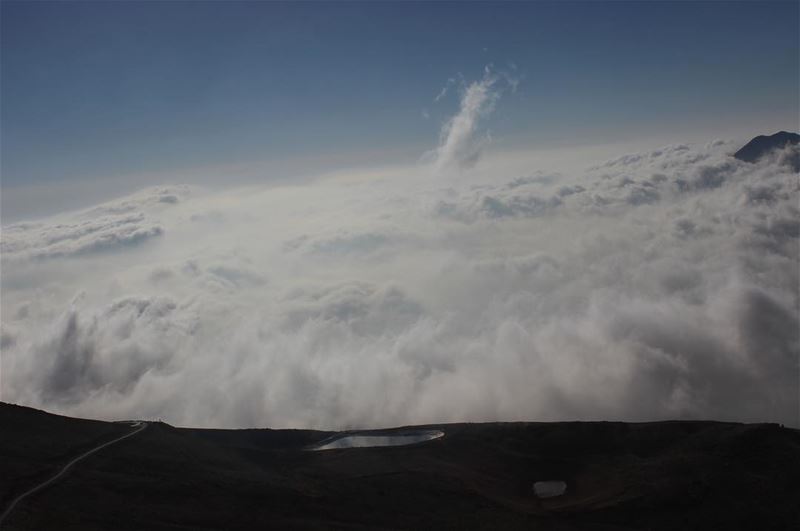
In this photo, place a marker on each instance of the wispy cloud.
(460, 140)
(446, 88)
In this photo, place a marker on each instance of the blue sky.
(97, 89)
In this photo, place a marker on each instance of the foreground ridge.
(139, 425)
(509, 475)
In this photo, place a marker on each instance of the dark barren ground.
(660, 475)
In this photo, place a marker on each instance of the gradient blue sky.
(97, 89)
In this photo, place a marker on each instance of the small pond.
(383, 439)
(549, 489)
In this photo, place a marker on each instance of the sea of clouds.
(659, 284)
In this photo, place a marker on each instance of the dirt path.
(140, 426)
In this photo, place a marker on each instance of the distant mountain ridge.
(761, 145)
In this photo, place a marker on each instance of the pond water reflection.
(384, 439)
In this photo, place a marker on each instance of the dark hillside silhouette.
(761, 145)
(617, 476)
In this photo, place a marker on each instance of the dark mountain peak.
(761, 145)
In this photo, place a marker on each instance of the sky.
(105, 94)
(355, 215)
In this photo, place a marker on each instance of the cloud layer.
(103, 228)
(660, 284)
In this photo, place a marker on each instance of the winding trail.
(65, 468)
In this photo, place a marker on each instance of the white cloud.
(106, 227)
(460, 142)
(661, 284)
